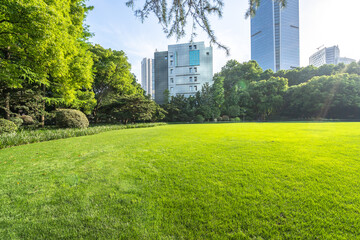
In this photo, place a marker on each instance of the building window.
(171, 71)
(171, 56)
(165, 57)
(171, 80)
(207, 53)
(195, 79)
(191, 88)
(190, 78)
(171, 89)
(195, 88)
(171, 62)
(190, 70)
(190, 47)
(195, 47)
(195, 69)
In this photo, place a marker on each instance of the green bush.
(232, 120)
(237, 119)
(18, 121)
(71, 118)
(199, 119)
(225, 118)
(219, 119)
(7, 126)
(27, 120)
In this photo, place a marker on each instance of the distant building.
(345, 60)
(275, 40)
(182, 70)
(330, 55)
(147, 76)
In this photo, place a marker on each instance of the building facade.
(330, 55)
(275, 39)
(147, 76)
(182, 70)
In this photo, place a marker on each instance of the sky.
(322, 22)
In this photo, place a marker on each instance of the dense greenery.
(246, 91)
(211, 181)
(26, 136)
(47, 63)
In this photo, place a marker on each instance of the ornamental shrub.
(18, 121)
(71, 118)
(199, 119)
(237, 119)
(27, 120)
(7, 126)
(225, 118)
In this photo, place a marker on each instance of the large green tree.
(42, 44)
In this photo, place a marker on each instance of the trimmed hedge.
(71, 118)
(7, 126)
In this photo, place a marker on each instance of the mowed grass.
(201, 181)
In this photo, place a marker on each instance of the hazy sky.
(322, 22)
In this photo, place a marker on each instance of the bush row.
(41, 135)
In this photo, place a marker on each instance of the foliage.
(225, 118)
(336, 96)
(71, 118)
(7, 126)
(199, 119)
(46, 134)
(132, 108)
(27, 120)
(17, 120)
(112, 76)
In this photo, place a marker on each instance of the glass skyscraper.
(275, 40)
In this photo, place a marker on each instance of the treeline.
(245, 91)
(47, 63)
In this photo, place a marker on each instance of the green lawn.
(201, 181)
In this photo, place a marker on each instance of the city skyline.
(323, 22)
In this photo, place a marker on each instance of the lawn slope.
(202, 181)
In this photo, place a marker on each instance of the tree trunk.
(7, 105)
(43, 108)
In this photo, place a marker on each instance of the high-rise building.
(147, 76)
(183, 69)
(275, 41)
(330, 55)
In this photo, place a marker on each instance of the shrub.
(237, 119)
(219, 119)
(225, 118)
(71, 118)
(7, 126)
(199, 119)
(18, 121)
(27, 120)
(232, 120)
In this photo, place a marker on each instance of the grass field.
(201, 181)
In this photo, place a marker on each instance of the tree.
(174, 18)
(267, 96)
(112, 76)
(50, 54)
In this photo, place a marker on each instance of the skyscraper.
(183, 69)
(275, 37)
(147, 76)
